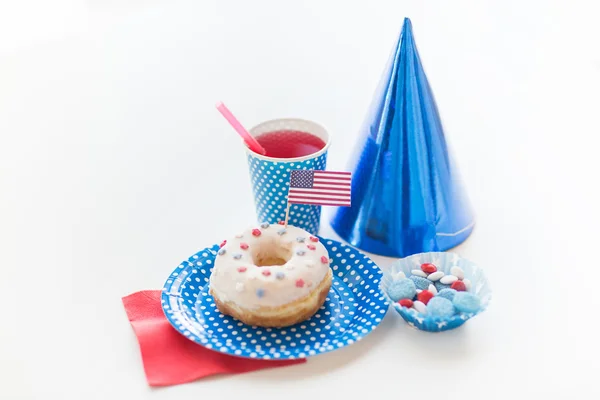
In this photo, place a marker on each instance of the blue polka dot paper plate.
(444, 261)
(353, 308)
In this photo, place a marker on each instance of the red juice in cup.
(287, 143)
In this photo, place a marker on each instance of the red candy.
(281, 222)
(314, 239)
(266, 272)
(300, 283)
(244, 246)
(256, 232)
(425, 296)
(459, 286)
(242, 269)
(324, 260)
(223, 243)
(408, 303)
(428, 268)
(311, 246)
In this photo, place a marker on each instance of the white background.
(115, 166)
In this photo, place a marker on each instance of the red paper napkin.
(169, 358)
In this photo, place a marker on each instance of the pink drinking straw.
(250, 141)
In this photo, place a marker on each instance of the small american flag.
(325, 188)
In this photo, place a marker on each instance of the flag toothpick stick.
(287, 214)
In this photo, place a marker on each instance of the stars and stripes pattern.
(325, 188)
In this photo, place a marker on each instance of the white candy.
(432, 289)
(467, 284)
(458, 272)
(448, 279)
(419, 291)
(400, 275)
(435, 276)
(420, 307)
(418, 272)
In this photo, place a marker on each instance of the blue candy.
(440, 307)
(420, 283)
(402, 289)
(466, 302)
(447, 294)
(440, 286)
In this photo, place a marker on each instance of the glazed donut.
(271, 276)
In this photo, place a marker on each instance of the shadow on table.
(441, 346)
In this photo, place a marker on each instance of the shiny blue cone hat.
(406, 193)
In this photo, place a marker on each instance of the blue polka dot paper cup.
(270, 177)
(444, 261)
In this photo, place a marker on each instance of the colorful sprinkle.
(221, 252)
(242, 269)
(223, 243)
(301, 252)
(408, 303)
(281, 232)
(256, 232)
(260, 292)
(281, 222)
(279, 275)
(300, 283)
(310, 263)
(264, 225)
(324, 260)
(311, 246)
(244, 246)
(239, 236)
(314, 239)
(239, 287)
(459, 286)
(266, 272)
(237, 256)
(300, 239)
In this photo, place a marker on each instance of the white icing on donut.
(238, 279)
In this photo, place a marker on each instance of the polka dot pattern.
(270, 183)
(353, 308)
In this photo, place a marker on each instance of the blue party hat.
(406, 192)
